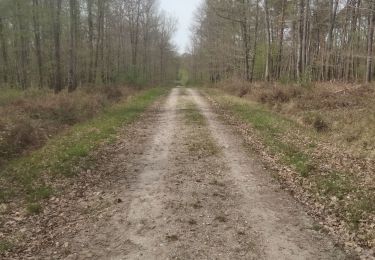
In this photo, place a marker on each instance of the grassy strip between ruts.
(25, 177)
(343, 194)
(194, 117)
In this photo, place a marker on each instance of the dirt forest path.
(187, 189)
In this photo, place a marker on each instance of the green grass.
(192, 114)
(9, 95)
(62, 155)
(204, 145)
(5, 245)
(34, 208)
(271, 127)
(336, 184)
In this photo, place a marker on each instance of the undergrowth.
(341, 113)
(328, 177)
(25, 177)
(271, 127)
(29, 118)
(5, 245)
(205, 145)
(192, 114)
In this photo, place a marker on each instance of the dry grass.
(341, 114)
(28, 120)
(325, 134)
(34, 177)
(204, 146)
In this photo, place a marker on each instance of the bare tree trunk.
(134, 32)
(300, 67)
(246, 41)
(356, 39)
(23, 46)
(347, 58)
(102, 45)
(38, 44)
(4, 52)
(161, 64)
(268, 34)
(57, 41)
(99, 40)
(91, 40)
(281, 39)
(333, 13)
(255, 46)
(305, 35)
(370, 41)
(246, 50)
(72, 84)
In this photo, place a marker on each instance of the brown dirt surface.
(179, 184)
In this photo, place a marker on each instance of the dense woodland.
(61, 44)
(286, 40)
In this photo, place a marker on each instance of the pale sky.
(183, 10)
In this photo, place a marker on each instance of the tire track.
(134, 228)
(184, 188)
(285, 229)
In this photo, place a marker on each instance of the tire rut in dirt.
(202, 206)
(130, 227)
(177, 191)
(285, 231)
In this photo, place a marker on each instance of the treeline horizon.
(283, 40)
(61, 44)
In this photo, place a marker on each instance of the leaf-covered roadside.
(337, 187)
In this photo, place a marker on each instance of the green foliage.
(40, 193)
(271, 127)
(183, 77)
(63, 153)
(317, 121)
(193, 116)
(132, 77)
(305, 79)
(347, 195)
(34, 208)
(205, 145)
(5, 245)
(28, 119)
(335, 184)
(9, 95)
(293, 156)
(260, 61)
(286, 80)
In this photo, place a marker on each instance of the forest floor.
(178, 183)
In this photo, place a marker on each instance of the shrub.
(5, 245)
(237, 87)
(277, 95)
(113, 93)
(17, 136)
(243, 92)
(320, 125)
(316, 121)
(28, 120)
(34, 208)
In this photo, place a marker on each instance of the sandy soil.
(188, 189)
